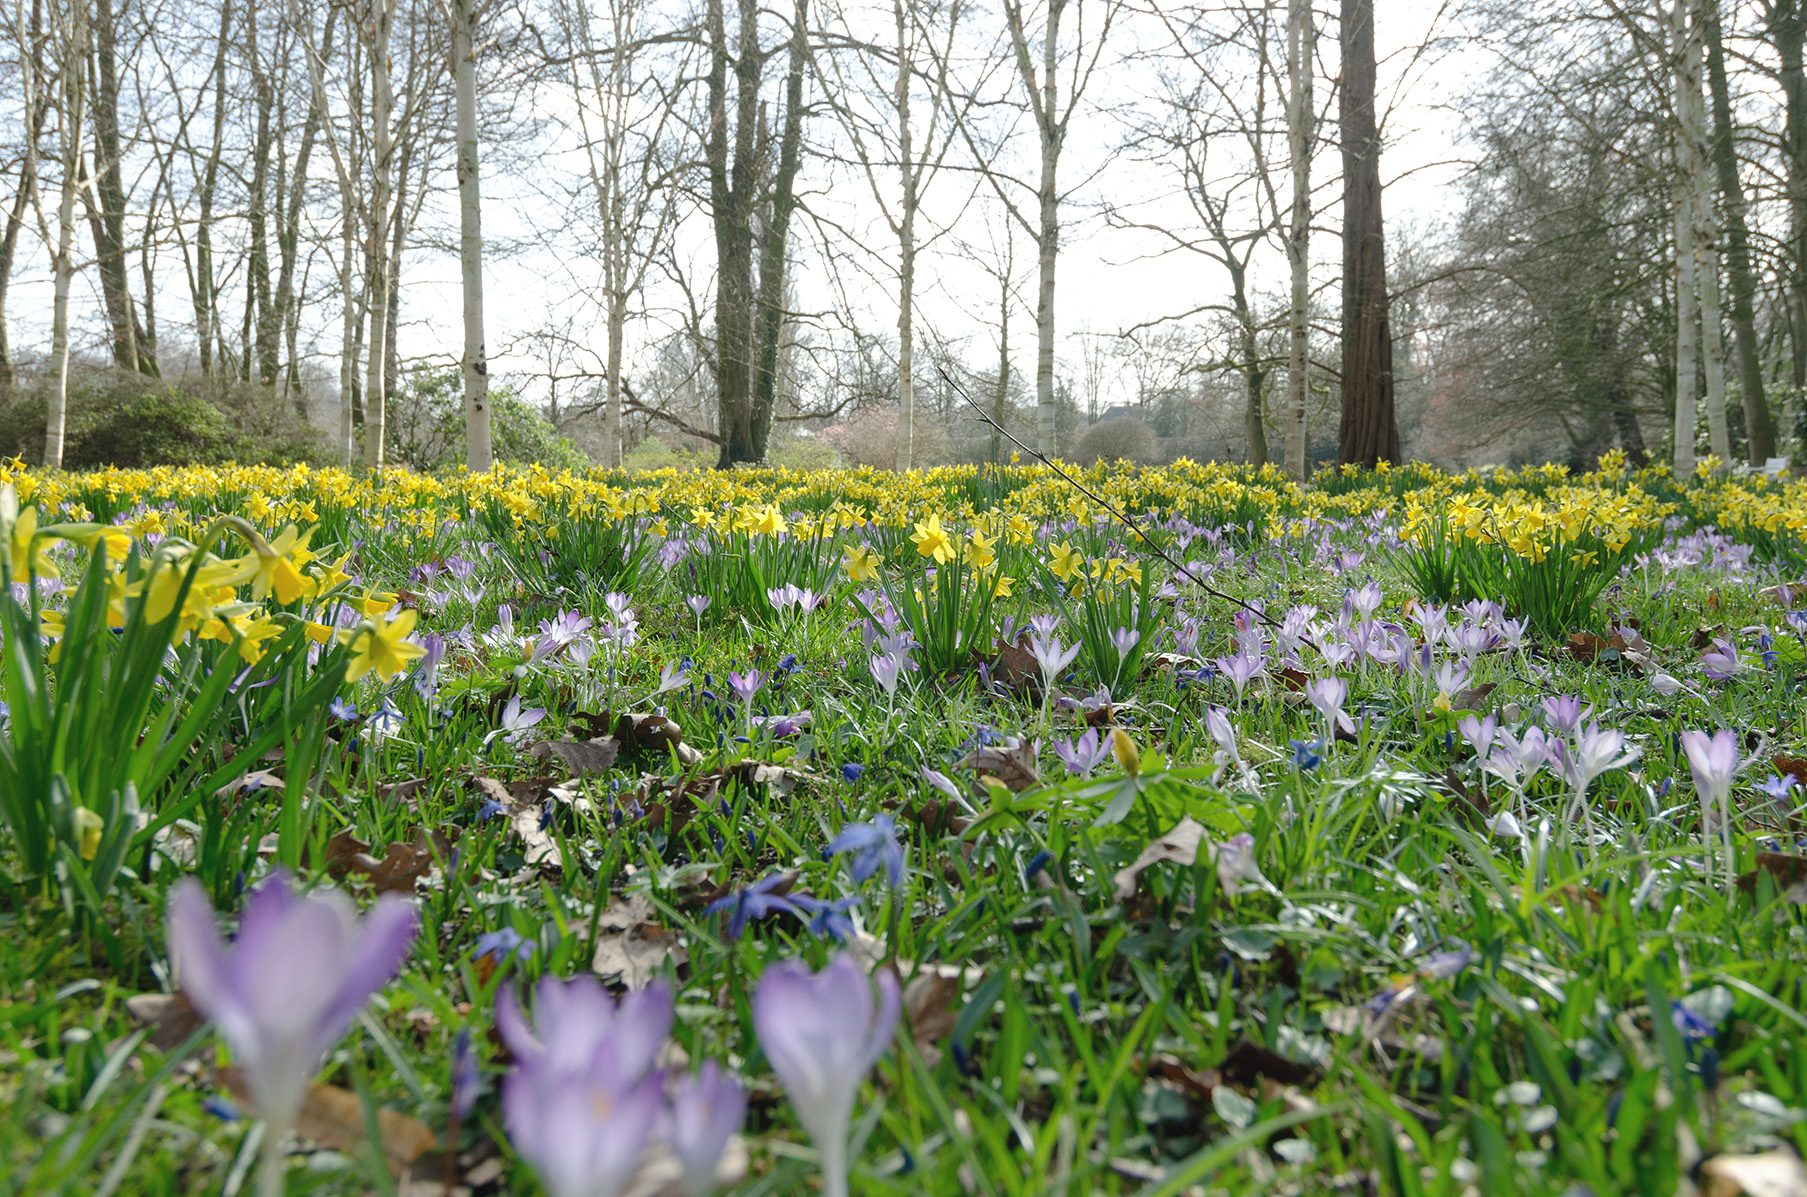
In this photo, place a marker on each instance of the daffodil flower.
(381, 644)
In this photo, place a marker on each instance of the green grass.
(1284, 1038)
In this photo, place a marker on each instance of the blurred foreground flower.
(822, 1032)
(287, 988)
(584, 1098)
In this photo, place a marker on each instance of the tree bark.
(74, 90)
(382, 17)
(731, 185)
(906, 253)
(37, 110)
(1301, 39)
(772, 272)
(105, 199)
(264, 345)
(1369, 431)
(1789, 31)
(470, 244)
(1687, 316)
(1759, 429)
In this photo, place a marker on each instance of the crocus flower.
(1593, 754)
(746, 685)
(1721, 661)
(1050, 655)
(706, 1111)
(1327, 696)
(1565, 713)
(1081, 755)
(1479, 733)
(1235, 859)
(874, 846)
(1241, 669)
(518, 720)
(822, 1032)
(584, 1099)
(290, 984)
(885, 670)
(1714, 762)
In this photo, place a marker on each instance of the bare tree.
(70, 40)
(1301, 133)
(462, 16)
(1369, 432)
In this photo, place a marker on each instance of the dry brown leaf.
(334, 1118)
(1016, 668)
(777, 778)
(257, 779)
(631, 947)
(1472, 698)
(1769, 1174)
(541, 847)
(171, 1019)
(1790, 873)
(585, 758)
(1180, 845)
(928, 1000)
(1012, 762)
(400, 866)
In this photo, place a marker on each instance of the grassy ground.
(1414, 976)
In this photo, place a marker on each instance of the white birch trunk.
(1300, 40)
(1691, 117)
(1687, 310)
(75, 57)
(906, 245)
(382, 102)
(477, 453)
(1048, 243)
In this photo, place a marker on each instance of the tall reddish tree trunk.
(1370, 431)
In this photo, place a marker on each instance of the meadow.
(975, 830)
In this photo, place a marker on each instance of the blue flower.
(500, 944)
(851, 772)
(1306, 753)
(874, 845)
(341, 710)
(1691, 1025)
(828, 918)
(756, 901)
(490, 809)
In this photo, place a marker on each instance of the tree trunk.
(382, 17)
(1687, 316)
(74, 89)
(264, 336)
(288, 311)
(1789, 32)
(731, 185)
(1301, 41)
(105, 199)
(1759, 430)
(1369, 432)
(773, 261)
(906, 253)
(470, 244)
(37, 110)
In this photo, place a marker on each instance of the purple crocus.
(874, 846)
(822, 1032)
(746, 685)
(1565, 713)
(1050, 655)
(284, 992)
(584, 1099)
(885, 671)
(1081, 754)
(1327, 696)
(1721, 661)
(706, 1111)
(1714, 762)
(1241, 669)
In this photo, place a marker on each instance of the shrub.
(1122, 439)
(424, 427)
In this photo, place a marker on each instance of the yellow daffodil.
(861, 563)
(983, 550)
(24, 555)
(1065, 561)
(381, 645)
(932, 540)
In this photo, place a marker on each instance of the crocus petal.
(387, 934)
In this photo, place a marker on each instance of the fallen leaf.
(1195, 1083)
(1790, 873)
(1012, 762)
(776, 778)
(1794, 766)
(334, 1118)
(939, 817)
(1180, 845)
(257, 779)
(585, 758)
(1016, 667)
(400, 866)
(541, 847)
(631, 947)
(1472, 698)
(1704, 636)
(1769, 1174)
(171, 1019)
(1248, 1062)
(928, 1000)
(1293, 679)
